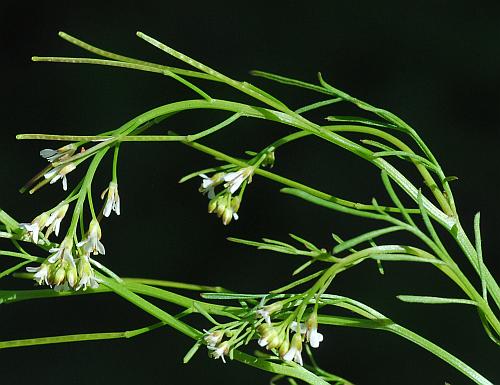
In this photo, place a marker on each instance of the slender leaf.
(316, 105)
(307, 244)
(434, 300)
(303, 267)
(297, 283)
(479, 250)
(331, 205)
(191, 352)
(289, 81)
(405, 154)
(405, 258)
(382, 146)
(203, 312)
(365, 237)
(394, 197)
(360, 120)
(13, 269)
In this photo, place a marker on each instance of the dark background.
(436, 64)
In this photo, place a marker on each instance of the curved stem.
(385, 324)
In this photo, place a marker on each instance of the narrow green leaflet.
(434, 300)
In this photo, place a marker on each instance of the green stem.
(292, 371)
(387, 325)
(291, 183)
(85, 186)
(121, 58)
(78, 337)
(115, 163)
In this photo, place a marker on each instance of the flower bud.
(212, 205)
(285, 346)
(221, 206)
(214, 338)
(59, 276)
(269, 160)
(71, 275)
(235, 203)
(274, 341)
(227, 216)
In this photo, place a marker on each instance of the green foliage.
(274, 318)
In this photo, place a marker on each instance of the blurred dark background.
(434, 63)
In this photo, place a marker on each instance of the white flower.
(112, 201)
(264, 314)
(54, 220)
(41, 275)
(235, 179)
(92, 243)
(294, 353)
(267, 310)
(312, 335)
(33, 229)
(213, 338)
(63, 252)
(60, 154)
(208, 184)
(86, 274)
(302, 327)
(60, 172)
(219, 351)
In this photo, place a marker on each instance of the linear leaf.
(330, 205)
(307, 244)
(382, 146)
(479, 251)
(360, 120)
(289, 81)
(395, 199)
(364, 237)
(191, 352)
(434, 300)
(405, 258)
(418, 158)
(297, 283)
(316, 105)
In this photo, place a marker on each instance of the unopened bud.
(297, 342)
(285, 346)
(212, 205)
(71, 275)
(269, 160)
(274, 341)
(59, 276)
(227, 216)
(235, 203)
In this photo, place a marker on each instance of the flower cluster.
(272, 337)
(68, 267)
(52, 222)
(217, 348)
(225, 204)
(63, 271)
